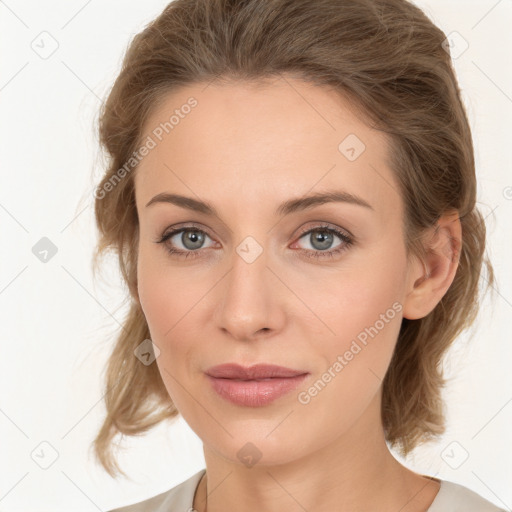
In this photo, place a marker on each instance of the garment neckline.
(440, 491)
(437, 497)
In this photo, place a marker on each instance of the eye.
(184, 242)
(187, 242)
(320, 239)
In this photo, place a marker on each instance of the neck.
(355, 471)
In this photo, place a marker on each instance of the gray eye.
(190, 239)
(320, 239)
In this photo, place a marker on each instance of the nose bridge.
(247, 279)
(249, 302)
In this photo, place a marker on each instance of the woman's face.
(252, 283)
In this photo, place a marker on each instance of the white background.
(57, 324)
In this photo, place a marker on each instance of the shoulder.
(455, 497)
(180, 498)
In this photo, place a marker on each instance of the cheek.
(155, 296)
(363, 295)
(364, 312)
(170, 300)
(366, 330)
(166, 295)
(355, 362)
(163, 304)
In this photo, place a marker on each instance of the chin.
(253, 445)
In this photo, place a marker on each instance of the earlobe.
(431, 278)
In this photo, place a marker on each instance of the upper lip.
(257, 371)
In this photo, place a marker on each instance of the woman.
(291, 192)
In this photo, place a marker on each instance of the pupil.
(192, 237)
(324, 238)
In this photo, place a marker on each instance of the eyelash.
(346, 239)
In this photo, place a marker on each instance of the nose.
(249, 304)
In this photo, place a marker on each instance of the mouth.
(254, 386)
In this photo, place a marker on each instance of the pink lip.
(254, 386)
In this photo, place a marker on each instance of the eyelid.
(317, 224)
(320, 224)
(347, 240)
(186, 225)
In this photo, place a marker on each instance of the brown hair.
(389, 59)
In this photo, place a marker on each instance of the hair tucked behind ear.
(388, 58)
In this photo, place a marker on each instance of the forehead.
(251, 141)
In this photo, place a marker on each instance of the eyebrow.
(286, 208)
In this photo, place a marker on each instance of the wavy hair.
(391, 61)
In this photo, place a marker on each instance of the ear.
(429, 280)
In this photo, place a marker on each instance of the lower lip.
(255, 393)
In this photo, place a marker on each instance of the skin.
(245, 149)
